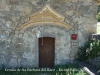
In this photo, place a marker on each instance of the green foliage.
(94, 50)
(95, 46)
(98, 17)
(82, 52)
(98, 67)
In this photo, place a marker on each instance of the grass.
(69, 69)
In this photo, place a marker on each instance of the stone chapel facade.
(38, 33)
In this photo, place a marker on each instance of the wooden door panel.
(46, 52)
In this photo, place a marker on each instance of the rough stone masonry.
(19, 47)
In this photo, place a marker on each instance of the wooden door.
(46, 52)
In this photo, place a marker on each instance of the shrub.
(95, 46)
(99, 67)
(90, 49)
(98, 16)
(82, 51)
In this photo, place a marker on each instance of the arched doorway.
(46, 52)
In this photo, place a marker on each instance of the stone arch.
(46, 16)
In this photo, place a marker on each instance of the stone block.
(4, 7)
(72, 58)
(16, 32)
(75, 44)
(20, 36)
(74, 41)
(19, 41)
(13, 62)
(27, 63)
(70, 12)
(16, 36)
(21, 31)
(72, 54)
(14, 40)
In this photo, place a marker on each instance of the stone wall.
(18, 48)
